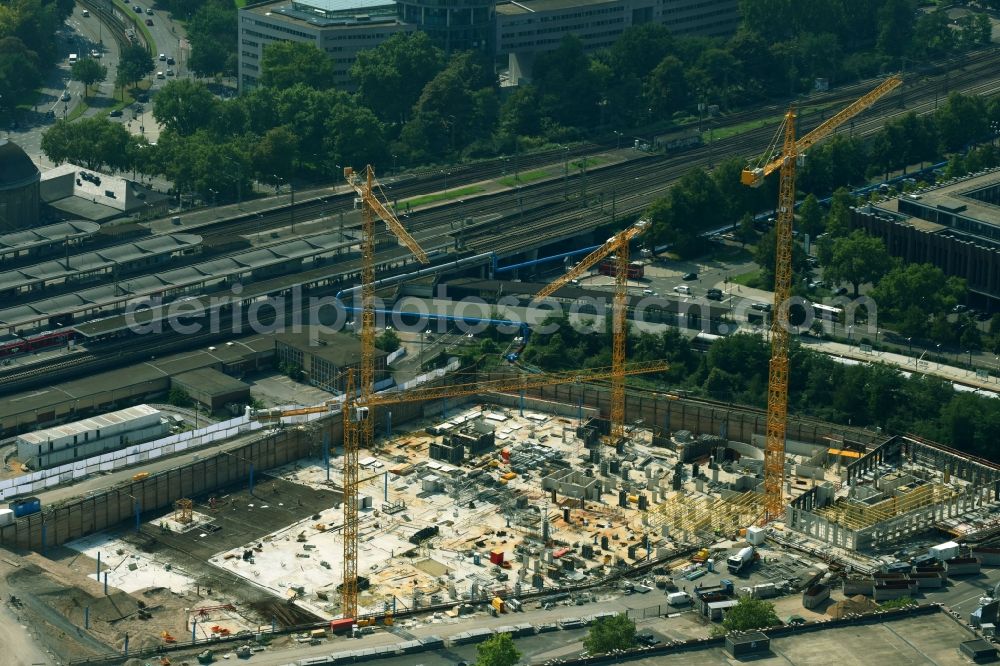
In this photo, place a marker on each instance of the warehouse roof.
(339, 348)
(89, 425)
(53, 233)
(210, 381)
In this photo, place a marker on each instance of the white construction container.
(6, 517)
(944, 551)
(755, 535)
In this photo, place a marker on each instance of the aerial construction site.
(447, 509)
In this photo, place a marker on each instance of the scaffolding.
(693, 517)
(183, 511)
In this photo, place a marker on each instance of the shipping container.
(944, 551)
(26, 506)
(6, 517)
(342, 625)
(496, 557)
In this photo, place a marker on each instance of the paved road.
(19, 646)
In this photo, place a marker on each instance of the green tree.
(745, 231)
(765, 254)
(391, 76)
(911, 293)
(185, 106)
(568, 85)
(811, 217)
(610, 633)
(497, 651)
(858, 259)
(178, 397)
(19, 71)
(133, 64)
(895, 21)
(838, 220)
(96, 143)
(285, 64)
(388, 341)
(213, 32)
(749, 613)
(667, 87)
(275, 155)
(88, 72)
(932, 36)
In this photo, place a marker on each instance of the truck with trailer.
(738, 562)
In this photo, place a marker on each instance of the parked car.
(761, 307)
(163, 56)
(149, 21)
(841, 291)
(117, 113)
(170, 60)
(149, 12)
(137, 9)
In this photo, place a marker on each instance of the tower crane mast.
(358, 434)
(619, 245)
(777, 385)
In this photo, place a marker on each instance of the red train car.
(636, 269)
(15, 345)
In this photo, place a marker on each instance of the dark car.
(137, 9)
(149, 21)
(170, 60)
(690, 276)
(984, 316)
(714, 294)
(841, 291)
(648, 640)
(117, 113)
(761, 307)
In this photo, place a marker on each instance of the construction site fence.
(672, 647)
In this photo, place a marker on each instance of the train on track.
(15, 345)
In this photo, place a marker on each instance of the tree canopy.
(750, 613)
(858, 259)
(610, 633)
(497, 650)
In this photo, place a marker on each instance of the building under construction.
(896, 491)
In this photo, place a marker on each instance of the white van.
(73, 58)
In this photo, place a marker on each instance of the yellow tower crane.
(777, 387)
(619, 245)
(359, 434)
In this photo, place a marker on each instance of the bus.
(828, 313)
(636, 270)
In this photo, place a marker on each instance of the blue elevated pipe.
(535, 262)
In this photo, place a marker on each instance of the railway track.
(537, 209)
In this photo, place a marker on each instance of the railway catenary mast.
(777, 386)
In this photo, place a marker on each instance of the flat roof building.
(954, 226)
(82, 439)
(339, 28)
(342, 28)
(211, 388)
(324, 358)
(529, 27)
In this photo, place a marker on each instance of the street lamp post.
(909, 342)
(970, 360)
(939, 355)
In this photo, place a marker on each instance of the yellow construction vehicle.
(777, 388)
